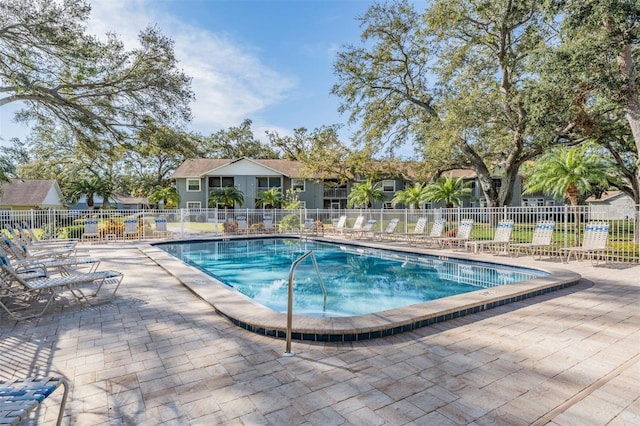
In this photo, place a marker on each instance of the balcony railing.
(335, 193)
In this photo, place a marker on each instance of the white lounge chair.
(20, 292)
(267, 224)
(362, 232)
(312, 226)
(161, 230)
(389, 231)
(243, 225)
(500, 240)
(91, 232)
(434, 234)
(22, 251)
(463, 234)
(418, 231)
(339, 224)
(63, 265)
(29, 238)
(594, 243)
(357, 226)
(542, 239)
(131, 230)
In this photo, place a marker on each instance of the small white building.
(27, 194)
(612, 205)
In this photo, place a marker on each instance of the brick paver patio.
(160, 355)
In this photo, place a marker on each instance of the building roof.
(128, 199)
(607, 196)
(197, 167)
(31, 192)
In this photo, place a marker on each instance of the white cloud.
(229, 81)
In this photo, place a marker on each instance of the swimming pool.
(358, 280)
(246, 313)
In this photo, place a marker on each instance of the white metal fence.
(623, 242)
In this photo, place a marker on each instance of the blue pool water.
(358, 280)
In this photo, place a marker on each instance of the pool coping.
(245, 313)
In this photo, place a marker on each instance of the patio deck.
(158, 354)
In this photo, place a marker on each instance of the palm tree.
(167, 196)
(270, 199)
(568, 173)
(365, 193)
(91, 187)
(412, 196)
(449, 190)
(228, 197)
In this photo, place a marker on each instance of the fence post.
(566, 226)
(181, 223)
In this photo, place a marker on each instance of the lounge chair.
(542, 239)
(161, 230)
(357, 226)
(418, 230)
(434, 234)
(22, 251)
(20, 292)
(388, 231)
(243, 225)
(312, 226)
(501, 239)
(362, 232)
(339, 225)
(131, 230)
(28, 237)
(19, 397)
(91, 231)
(63, 265)
(463, 234)
(267, 224)
(594, 243)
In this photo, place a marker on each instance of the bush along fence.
(570, 222)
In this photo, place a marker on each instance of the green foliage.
(270, 199)
(291, 199)
(97, 89)
(227, 197)
(568, 173)
(449, 190)
(168, 196)
(235, 142)
(365, 193)
(412, 196)
(289, 222)
(91, 187)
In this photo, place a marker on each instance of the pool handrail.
(292, 270)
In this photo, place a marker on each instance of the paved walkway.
(159, 355)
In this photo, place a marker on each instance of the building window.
(217, 182)
(389, 185)
(266, 183)
(193, 185)
(533, 202)
(387, 205)
(297, 185)
(193, 204)
(303, 204)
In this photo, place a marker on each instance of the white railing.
(623, 243)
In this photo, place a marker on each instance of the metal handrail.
(290, 296)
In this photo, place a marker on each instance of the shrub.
(289, 222)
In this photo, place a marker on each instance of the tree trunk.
(630, 92)
(483, 175)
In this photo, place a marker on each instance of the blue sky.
(269, 61)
